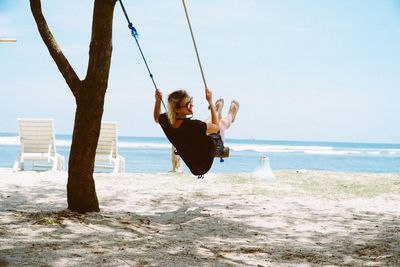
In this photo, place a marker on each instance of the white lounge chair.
(37, 141)
(107, 149)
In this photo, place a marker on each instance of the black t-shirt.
(191, 141)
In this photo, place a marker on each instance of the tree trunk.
(81, 192)
(89, 95)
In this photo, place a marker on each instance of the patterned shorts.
(218, 143)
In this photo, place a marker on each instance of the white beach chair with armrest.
(37, 141)
(107, 149)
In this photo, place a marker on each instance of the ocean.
(153, 154)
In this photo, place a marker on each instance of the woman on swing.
(197, 142)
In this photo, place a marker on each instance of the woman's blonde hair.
(174, 100)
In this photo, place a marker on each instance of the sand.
(167, 219)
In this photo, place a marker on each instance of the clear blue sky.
(324, 70)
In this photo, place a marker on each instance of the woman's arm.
(213, 126)
(157, 105)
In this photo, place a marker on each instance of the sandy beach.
(167, 219)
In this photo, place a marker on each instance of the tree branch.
(62, 63)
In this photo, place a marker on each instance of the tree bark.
(89, 95)
(81, 192)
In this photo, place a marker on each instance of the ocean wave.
(239, 147)
(14, 140)
(61, 142)
(333, 152)
(9, 140)
(276, 148)
(143, 145)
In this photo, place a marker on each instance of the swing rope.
(136, 35)
(201, 68)
(194, 43)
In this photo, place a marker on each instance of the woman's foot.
(233, 109)
(219, 104)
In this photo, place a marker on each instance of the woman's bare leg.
(219, 104)
(227, 121)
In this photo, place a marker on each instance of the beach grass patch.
(235, 178)
(47, 221)
(333, 185)
(265, 191)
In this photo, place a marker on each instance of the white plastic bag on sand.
(263, 170)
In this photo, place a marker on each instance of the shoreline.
(172, 219)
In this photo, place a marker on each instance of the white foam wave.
(275, 148)
(317, 150)
(143, 145)
(63, 142)
(333, 152)
(391, 151)
(14, 140)
(9, 140)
